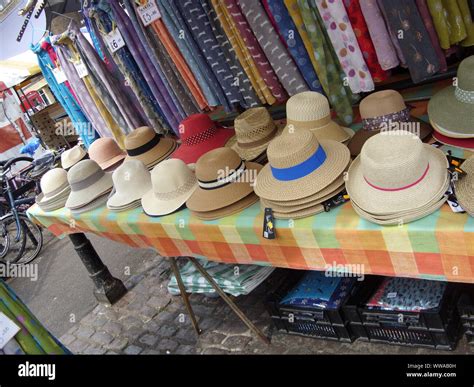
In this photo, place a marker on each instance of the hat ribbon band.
(262, 141)
(88, 181)
(309, 124)
(401, 188)
(145, 147)
(303, 169)
(57, 190)
(465, 96)
(375, 123)
(221, 182)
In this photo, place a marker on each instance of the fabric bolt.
(363, 38)
(393, 35)
(448, 22)
(468, 23)
(386, 53)
(403, 15)
(275, 51)
(290, 36)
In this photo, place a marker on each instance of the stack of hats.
(149, 147)
(199, 134)
(397, 179)
(310, 110)
(90, 186)
(225, 184)
(72, 156)
(254, 129)
(55, 190)
(384, 111)
(172, 184)
(106, 152)
(464, 186)
(451, 111)
(131, 180)
(303, 172)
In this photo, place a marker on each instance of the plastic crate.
(466, 312)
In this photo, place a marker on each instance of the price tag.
(392, 295)
(114, 40)
(59, 75)
(8, 330)
(149, 12)
(81, 69)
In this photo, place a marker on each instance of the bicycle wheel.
(4, 241)
(33, 240)
(14, 249)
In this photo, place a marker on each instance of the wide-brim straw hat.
(452, 109)
(464, 186)
(98, 202)
(232, 209)
(72, 156)
(299, 214)
(396, 172)
(58, 202)
(310, 110)
(300, 166)
(463, 143)
(254, 129)
(106, 152)
(223, 178)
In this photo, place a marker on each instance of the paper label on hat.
(114, 40)
(8, 330)
(59, 75)
(81, 69)
(453, 204)
(392, 295)
(149, 12)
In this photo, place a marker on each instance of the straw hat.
(452, 109)
(463, 143)
(300, 166)
(396, 172)
(88, 182)
(106, 152)
(131, 180)
(299, 214)
(464, 187)
(385, 110)
(149, 147)
(254, 129)
(199, 135)
(223, 179)
(232, 209)
(55, 190)
(310, 110)
(173, 184)
(72, 156)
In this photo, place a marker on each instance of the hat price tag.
(336, 201)
(269, 231)
(149, 12)
(453, 201)
(114, 40)
(8, 330)
(59, 75)
(81, 69)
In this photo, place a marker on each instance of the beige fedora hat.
(464, 186)
(310, 110)
(254, 129)
(173, 183)
(396, 172)
(55, 190)
(131, 180)
(72, 156)
(232, 209)
(300, 166)
(223, 179)
(149, 147)
(106, 152)
(88, 182)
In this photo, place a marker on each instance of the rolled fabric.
(447, 21)
(467, 18)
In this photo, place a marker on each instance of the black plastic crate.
(466, 312)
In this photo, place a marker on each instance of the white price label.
(8, 330)
(392, 295)
(81, 69)
(114, 40)
(59, 75)
(149, 12)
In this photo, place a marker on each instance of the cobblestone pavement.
(148, 320)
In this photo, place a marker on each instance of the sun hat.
(463, 143)
(381, 111)
(131, 180)
(149, 147)
(254, 129)
(72, 156)
(223, 179)
(106, 152)
(199, 135)
(101, 201)
(396, 172)
(231, 209)
(464, 186)
(310, 110)
(300, 166)
(88, 182)
(172, 184)
(299, 214)
(54, 190)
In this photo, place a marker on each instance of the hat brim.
(98, 202)
(453, 118)
(87, 195)
(463, 187)
(157, 153)
(70, 163)
(203, 200)
(463, 143)
(375, 201)
(114, 160)
(46, 198)
(337, 160)
(155, 207)
(130, 206)
(52, 205)
(191, 153)
(122, 199)
(332, 131)
(232, 209)
(307, 212)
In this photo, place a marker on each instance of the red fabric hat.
(199, 135)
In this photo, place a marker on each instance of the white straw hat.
(55, 190)
(72, 156)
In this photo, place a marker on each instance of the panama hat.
(223, 179)
(396, 172)
(300, 166)
(464, 186)
(382, 111)
(452, 109)
(310, 110)
(172, 184)
(149, 147)
(88, 182)
(199, 135)
(131, 180)
(232, 209)
(54, 190)
(72, 156)
(254, 129)
(106, 152)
